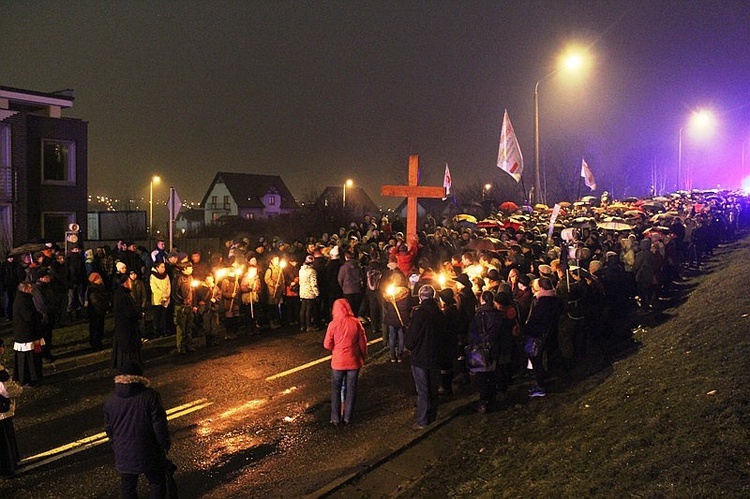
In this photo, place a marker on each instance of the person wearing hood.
(346, 339)
(423, 338)
(136, 424)
(161, 292)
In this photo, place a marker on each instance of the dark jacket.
(545, 312)
(486, 327)
(136, 424)
(98, 298)
(425, 335)
(350, 277)
(400, 297)
(26, 319)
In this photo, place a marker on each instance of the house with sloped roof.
(247, 196)
(356, 201)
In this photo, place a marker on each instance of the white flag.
(509, 157)
(447, 182)
(174, 204)
(588, 177)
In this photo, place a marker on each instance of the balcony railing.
(218, 206)
(6, 183)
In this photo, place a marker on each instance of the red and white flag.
(509, 157)
(447, 182)
(588, 177)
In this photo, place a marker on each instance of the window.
(272, 200)
(214, 201)
(54, 225)
(58, 162)
(226, 202)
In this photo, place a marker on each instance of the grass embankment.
(671, 419)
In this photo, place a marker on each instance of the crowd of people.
(525, 287)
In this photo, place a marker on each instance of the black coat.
(27, 320)
(136, 424)
(486, 326)
(425, 337)
(127, 339)
(545, 312)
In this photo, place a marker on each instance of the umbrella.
(619, 220)
(508, 206)
(541, 207)
(489, 223)
(588, 199)
(486, 244)
(661, 199)
(618, 206)
(27, 248)
(583, 222)
(466, 219)
(616, 226)
(565, 204)
(629, 199)
(634, 213)
(653, 205)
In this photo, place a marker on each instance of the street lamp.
(700, 122)
(486, 190)
(349, 182)
(572, 61)
(154, 180)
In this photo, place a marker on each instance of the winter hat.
(131, 367)
(545, 270)
(524, 279)
(94, 276)
(89, 254)
(447, 296)
(121, 267)
(493, 275)
(426, 292)
(309, 259)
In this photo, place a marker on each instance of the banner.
(447, 182)
(588, 177)
(509, 157)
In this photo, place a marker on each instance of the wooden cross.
(411, 192)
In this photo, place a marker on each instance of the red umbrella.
(508, 207)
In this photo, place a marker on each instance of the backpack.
(373, 279)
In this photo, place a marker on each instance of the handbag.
(479, 357)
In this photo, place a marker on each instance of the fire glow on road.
(310, 364)
(52, 455)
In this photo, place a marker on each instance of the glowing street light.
(701, 123)
(349, 182)
(154, 180)
(572, 61)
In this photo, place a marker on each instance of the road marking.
(310, 364)
(82, 444)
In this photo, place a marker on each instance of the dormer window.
(58, 162)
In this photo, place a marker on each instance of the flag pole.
(171, 216)
(578, 194)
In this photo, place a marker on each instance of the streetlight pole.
(348, 183)
(154, 180)
(537, 175)
(679, 159)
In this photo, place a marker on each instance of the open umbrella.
(508, 206)
(618, 206)
(629, 199)
(616, 226)
(653, 206)
(489, 223)
(583, 222)
(634, 213)
(588, 199)
(486, 244)
(565, 204)
(541, 207)
(27, 248)
(471, 219)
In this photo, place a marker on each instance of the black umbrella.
(27, 248)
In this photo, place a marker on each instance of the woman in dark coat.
(136, 424)
(98, 306)
(27, 337)
(127, 341)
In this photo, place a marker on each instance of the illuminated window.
(58, 162)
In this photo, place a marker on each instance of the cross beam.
(412, 192)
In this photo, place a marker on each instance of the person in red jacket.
(406, 256)
(346, 340)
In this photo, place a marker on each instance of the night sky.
(319, 92)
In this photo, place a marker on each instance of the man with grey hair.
(423, 338)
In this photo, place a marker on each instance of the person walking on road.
(136, 424)
(423, 339)
(126, 344)
(346, 339)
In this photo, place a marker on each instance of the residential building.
(43, 167)
(247, 196)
